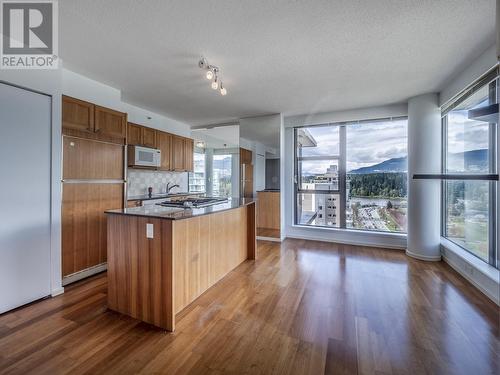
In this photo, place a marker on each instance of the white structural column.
(424, 196)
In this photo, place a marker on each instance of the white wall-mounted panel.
(25, 217)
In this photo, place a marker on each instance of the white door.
(25, 146)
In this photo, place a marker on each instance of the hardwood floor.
(302, 307)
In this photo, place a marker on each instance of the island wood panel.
(153, 279)
(205, 249)
(84, 223)
(140, 269)
(268, 210)
(88, 159)
(251, 230)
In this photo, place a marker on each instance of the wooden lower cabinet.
(268, 209)
(84, 234)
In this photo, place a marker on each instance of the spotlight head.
(202, 63)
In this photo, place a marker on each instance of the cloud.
(367, 144)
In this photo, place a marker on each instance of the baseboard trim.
(343, 242)
(272, 239)
(424, 257)
(459, 270)
(84, 274)
(57, 291)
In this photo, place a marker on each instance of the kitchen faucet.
(171, 187)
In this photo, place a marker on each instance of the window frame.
(493, 81)
(191, 174)
(342, 171)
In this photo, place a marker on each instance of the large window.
(222, 172)
(352, 175)
(197, 178)
(469, 163)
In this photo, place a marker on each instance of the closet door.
(25, 149)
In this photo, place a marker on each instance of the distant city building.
(197, 177)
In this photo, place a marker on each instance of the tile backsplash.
(139, 180)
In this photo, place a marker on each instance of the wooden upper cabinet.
(87, 120)
(245, 156)
(109, 122)
(188, 154)
(148, 137)
(178, 153)
(141, 136)
(164, 144)
(77, 114)
(134, 136)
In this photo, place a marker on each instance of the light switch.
(149, 230)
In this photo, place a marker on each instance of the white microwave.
(139, 156)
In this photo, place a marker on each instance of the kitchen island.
(160, 259)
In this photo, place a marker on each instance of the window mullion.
(492, 150)
(342, 175)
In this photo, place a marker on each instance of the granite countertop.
(175, 213)
(146, 197)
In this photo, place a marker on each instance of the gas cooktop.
(193, 202)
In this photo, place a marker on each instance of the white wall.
(481, 65)
(84, 88)
(289, 229)
(393, 110)
(263, 130)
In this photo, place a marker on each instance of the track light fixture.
(212, 74)
(223, 90)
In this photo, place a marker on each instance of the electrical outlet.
(149, 230)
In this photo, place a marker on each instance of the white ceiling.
(276, 56)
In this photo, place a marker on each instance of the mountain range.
(475, 160)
